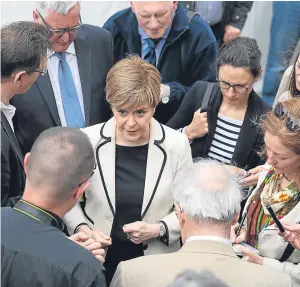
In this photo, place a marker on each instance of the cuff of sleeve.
(165, 238)
(79, 225)
(271, 262)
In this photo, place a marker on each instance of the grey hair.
(61, 159)
(191, 278)
(23, 44)
(60, 7)
(208, 191)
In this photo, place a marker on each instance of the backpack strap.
(207, 96)
(287, 252)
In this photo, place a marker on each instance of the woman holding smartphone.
(278, 187)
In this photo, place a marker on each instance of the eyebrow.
(275, 152)
(157, 12)
(220, 78)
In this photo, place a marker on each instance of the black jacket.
(12, 171)
(36, 254)
(250, 139)
(189, 53)
(36, 109)
(234, 14)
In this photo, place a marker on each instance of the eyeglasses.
(292, 123)
(42, 72)
(89, 177)
(61, 31)
(237, 88)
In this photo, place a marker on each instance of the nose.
(271, 160)
(231, 92)
(131, 121)
(66, 37)
(153, 24)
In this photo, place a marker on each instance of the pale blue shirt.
(158, 47)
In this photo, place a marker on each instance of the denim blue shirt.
(158, 47)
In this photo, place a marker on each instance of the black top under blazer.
(250, 139)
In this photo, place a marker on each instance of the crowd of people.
(139, 154)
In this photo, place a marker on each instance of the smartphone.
(276, 220)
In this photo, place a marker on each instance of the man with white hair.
(207, 202)
(73, 92)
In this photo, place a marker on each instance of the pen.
(241, 224)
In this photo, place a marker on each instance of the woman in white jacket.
(278, 186)
(129, 202)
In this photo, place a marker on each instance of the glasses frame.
(41, 72)
(89, 177)
(291, 123)
(62, 31)
(234, 86)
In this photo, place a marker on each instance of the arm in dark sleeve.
(185, 113)
(240, 13)
(6, 199)
(203, 68)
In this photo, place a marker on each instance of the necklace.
(284, 175)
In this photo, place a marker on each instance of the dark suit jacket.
(36, 109)
(250, 139)
(12, 171)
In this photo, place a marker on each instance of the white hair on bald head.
(208, 191)
(60, 7)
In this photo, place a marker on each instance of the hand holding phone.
(276, 220)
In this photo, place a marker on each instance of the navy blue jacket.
(188, 55)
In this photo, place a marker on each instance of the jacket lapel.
(247, 137)
(106, 158)
(10, 134)
(156, 161)
(83, 54)
(45, 87)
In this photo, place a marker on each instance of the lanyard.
(37, 214)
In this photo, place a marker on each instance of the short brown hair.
(277, 126)
(133, 82)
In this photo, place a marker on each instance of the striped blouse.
(225, 139)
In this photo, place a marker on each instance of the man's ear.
(235, 218)
(26, 162)
(36, 17)
(18, 78)
(132, 7)
(175, 5)
(179, 214)
(79, 190)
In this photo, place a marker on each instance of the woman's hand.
(252, 178)
(291, 234)
(198, 127)
(141, 231)
(249, 255)
(241, 237)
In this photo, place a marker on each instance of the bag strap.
(190, 15)
(288, 251)
(207, 96)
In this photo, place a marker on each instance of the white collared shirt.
(52, 66)
(210, 238)
(9, 112)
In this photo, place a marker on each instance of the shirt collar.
(70, 50)
(211, 238)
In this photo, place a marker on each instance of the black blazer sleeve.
(191, 103)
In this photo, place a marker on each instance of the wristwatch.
(162, 229)
(166, 96)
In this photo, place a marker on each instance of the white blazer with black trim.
(168, 155)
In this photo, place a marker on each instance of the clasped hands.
(96, 241)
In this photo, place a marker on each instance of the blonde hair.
(133, 82)
(277, 126)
